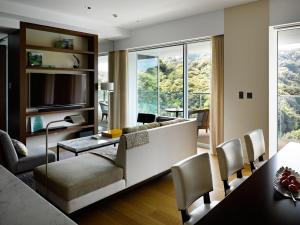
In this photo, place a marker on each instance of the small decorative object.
(36, 123)
(287, 183)
(35, 58)
(76, 62)
(64, 43)
(112, 133)
(69, 43)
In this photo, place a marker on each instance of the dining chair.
(255, 145)
(192, 179)
(230, 156)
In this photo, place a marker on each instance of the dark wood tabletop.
(255, 201)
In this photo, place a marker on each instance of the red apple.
(283, 177)
(285, 183)
(291, 177)
(286, 173)
(293, 188)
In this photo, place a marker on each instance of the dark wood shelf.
(58, 68)
(53, 49)
(59, 111)
(71, 128)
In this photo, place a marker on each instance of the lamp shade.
(108, 86)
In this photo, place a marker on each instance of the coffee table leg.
(57, 152)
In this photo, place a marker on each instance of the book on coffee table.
(112, 133)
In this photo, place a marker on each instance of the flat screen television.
(56, 89)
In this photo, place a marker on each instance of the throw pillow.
(128, 130)
(20, 148)
(152, 125)
(178, 120)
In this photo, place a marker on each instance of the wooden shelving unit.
(38, 38)
(59, 111)
(67, 129)
(37, 68)
(52, 49)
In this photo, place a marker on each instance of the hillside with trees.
(289, 94)
(162, 85)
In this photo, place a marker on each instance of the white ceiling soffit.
(48, 17)
(129, 14)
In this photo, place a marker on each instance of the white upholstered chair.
(192, 179)
(255, 145)
(230, 156)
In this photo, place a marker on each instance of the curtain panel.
(117, 73)
(217, 93)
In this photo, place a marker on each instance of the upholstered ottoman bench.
(76, 182)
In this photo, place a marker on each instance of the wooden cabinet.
(33, 38)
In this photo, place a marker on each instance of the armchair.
(104, 109)
(202, 118)
(10, 159)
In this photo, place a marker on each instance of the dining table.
(256, 201)
(175, 110)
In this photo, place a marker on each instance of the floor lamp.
(66, 119)
(109, 87)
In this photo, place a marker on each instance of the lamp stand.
(47, 133)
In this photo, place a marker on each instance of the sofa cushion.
(128, 130)
(164, 118)
(152, 125)
(178, 120)
(35, 157)
(74, 177)
(20, 148)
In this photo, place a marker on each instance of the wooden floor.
(153, 203)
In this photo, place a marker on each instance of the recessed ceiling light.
(115, 15)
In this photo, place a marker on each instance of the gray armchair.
(104, 109)
(202, 118)
(10, 159)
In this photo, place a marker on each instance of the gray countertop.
(20, 205)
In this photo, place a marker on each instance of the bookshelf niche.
(38, 52)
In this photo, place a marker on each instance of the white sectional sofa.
(80, 181)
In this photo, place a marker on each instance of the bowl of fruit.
(287, 182)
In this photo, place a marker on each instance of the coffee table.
(83, 144)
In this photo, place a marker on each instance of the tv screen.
(56, 89)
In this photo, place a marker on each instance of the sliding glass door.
(160, 80)
(199, 75)
(170, 81)
(288, 86)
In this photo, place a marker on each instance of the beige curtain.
(117, 73)
(217, 93)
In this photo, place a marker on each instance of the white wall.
(284, 11)
(105, 45)
(246, 69)
(208, 24)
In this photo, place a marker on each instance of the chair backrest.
(202, 116)
(230, 156)
(8, 153)
(255, 144)
(192, 179)
(104, 107)
(145, 118)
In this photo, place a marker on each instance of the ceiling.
(131, 14)
(287, 37)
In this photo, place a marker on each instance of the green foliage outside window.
(289, 94)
